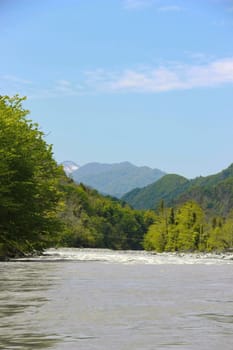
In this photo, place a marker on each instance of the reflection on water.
(126, 305)
(22, 294)
(27, 341)
(218, 317)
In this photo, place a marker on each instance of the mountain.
(115, 179)
(214, 193)
(69, 167)
(166, 188)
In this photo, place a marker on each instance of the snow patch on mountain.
(69, 167)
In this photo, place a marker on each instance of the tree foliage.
(93, 220)
(29, 178)
(187, 229)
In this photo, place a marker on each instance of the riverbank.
(10, 251)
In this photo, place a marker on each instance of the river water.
(72, 299)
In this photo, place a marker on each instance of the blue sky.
(148, 81)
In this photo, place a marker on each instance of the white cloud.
(64, 83)
(153, 80)
(137, 4)
(59, 88)
(170, 8)
(11, 85)
(14, 79)
(64, 87)
(163, 78)
(222, 22)
(199, 57)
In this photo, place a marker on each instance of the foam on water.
(131, 257)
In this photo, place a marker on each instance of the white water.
(131, 257)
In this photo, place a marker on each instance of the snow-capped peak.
(69, 167)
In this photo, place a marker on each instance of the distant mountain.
(166, 188)
(214, 193)
(116, 179)
(69, 167)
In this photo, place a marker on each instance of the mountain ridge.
(149, 196)
(116, 179)
(214, 192)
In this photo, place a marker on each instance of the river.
(72, 299)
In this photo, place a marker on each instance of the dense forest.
(187, 229)
(41, 207)
(167, 188)
(92, 220)
(213, 193)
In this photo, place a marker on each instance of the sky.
(145, 81)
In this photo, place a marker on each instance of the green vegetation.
(187, 229)
(177, 230)
(92, 220)
(215, 198)
(213, 193)
(41, 207)
(29, 195)
(149, 197)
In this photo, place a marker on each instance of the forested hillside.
(166, 188)
(92, 220)
(213, 193)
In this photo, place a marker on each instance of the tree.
(29, 178)
(182, 229)
(156, 237)
(221, 234)
(190, 223)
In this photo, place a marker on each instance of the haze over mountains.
(114, 179)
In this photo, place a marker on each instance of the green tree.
(190, 223)
(221, 234)
(156, 237)
(29, 179)
(228, 231)
(182, 229)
